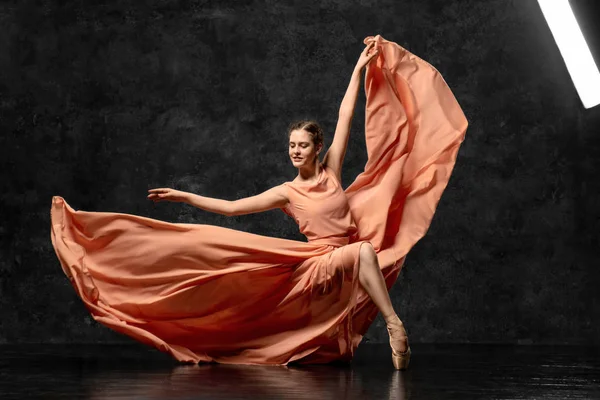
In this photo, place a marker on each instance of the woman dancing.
(305, 144)
(206, 293)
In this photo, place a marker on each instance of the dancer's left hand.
(367, 55)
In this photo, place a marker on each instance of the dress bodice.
(321, 209)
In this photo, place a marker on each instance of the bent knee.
(367, 251)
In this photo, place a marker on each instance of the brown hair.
(312, 127)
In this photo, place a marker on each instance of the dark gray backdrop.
(101, 102)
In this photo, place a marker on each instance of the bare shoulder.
(282, 190)
(278, 194)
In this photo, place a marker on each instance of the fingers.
(157, 194)
(369, 46)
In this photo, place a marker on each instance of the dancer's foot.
(398, 337)
(398, 342)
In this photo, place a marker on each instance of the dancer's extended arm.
(337, 151)
(218, 206)
(267, 200)
(276, 197)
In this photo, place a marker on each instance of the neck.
(309, 172)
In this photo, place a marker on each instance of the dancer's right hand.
(167, 194)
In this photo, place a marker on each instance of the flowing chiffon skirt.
(205, 293)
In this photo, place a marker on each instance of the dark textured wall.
(100, 103)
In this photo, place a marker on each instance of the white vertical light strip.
(574, 50)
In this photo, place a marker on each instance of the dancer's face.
(301, 146)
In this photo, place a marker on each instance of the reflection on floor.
(453, 371)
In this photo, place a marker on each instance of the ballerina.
(305, 144)
(205, 293)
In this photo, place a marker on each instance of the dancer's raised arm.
(337, 151)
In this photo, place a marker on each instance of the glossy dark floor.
(435, 372)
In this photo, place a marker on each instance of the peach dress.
(205, 293)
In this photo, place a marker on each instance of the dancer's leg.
(372, 281)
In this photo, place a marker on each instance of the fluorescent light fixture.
(574, 50)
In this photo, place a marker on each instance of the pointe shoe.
(400, 360)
